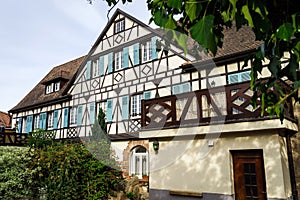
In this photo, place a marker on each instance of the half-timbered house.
(183, 118)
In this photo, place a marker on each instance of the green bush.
(71, 171)
(16, 179)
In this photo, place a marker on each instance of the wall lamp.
(156, 145)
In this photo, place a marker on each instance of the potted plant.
(145, 177)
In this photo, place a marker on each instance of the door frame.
(249, 154)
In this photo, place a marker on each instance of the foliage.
(276, 23)
(40, 138)
(70, 171)
(130, 195)
(16, 179)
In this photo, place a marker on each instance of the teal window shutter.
(29, 123)
(153, 46)
(245, 76)
(186, 87)
(66, 117)
(176, 89)
(101, 65)
(136, 54)
(110, 63)
(43, 119)
(79, 115)
(126, 57)
(125, 107)
(92, 113)
(19, 125)
(109, 110)
(55, 119)
(88, 70)
(147, 95)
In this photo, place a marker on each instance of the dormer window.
(49, 88)
(56, 86)
(52, 87)
(120, 26)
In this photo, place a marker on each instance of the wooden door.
(249, 175)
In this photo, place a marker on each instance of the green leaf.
(296, 22)
(160, 18)
(170, 23)
(285, 32)
(274, 67)
(202, 32)
(175, 4)
(193, 9)
(247, 15)
(182, 40)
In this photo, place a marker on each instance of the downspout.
(291, 166)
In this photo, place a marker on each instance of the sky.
(37, 35)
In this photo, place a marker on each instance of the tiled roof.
(37, 95)
(5, 119)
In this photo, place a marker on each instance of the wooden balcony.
(217, 105)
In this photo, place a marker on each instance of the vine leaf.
(202, 32)
(193, 9)
(285, 32)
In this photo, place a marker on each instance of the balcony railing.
(226, 104)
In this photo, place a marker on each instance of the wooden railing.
(13, 139)
(216, 105)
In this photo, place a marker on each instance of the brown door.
(249, 175)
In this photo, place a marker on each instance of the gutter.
(291, 166)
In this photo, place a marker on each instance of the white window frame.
(95, 68)
(49, 88)
(73, 116)
(119, 64)
(50, 120)
(36, 122)
(139, 162)
(136, 105)
(56, 86)
(147, 51)
(120, 26)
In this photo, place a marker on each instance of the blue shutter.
(55, 119)
(66, 117)
(43, 118)
(109, 110)
(29, 124)
(19, 125)
(110, 63)
(245, 76)
(186, 87)
(79, 115)
(126, 57)
(125, 107)
(153, 46)
(92, 113)
(136, 54)
(176, 89)
(147, 95)
(88, 70)
(101, 65)
(233, 78)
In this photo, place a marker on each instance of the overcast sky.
(37, 35)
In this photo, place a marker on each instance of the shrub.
(16, 179)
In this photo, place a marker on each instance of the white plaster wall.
(190, 164)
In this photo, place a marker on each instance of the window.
(239, 77)
(49, 88)
(118, 60)
(73, 116)
(36, 121)
(56, 86)
(181, 88)
(120, 26)
(50, 119)
(138, 164)
(136, 105)
(95, 68)
(147, 51)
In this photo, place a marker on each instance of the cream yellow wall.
(189, 163)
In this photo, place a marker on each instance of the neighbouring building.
(5, 120)
(183, 118)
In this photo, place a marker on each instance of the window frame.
(49, 88)
(73, 116)
(119, 60)
(50, 120)
(147, 51)
(36, 121)
(119, 25)
(136, 105)
(143, 169)
(56, 86)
